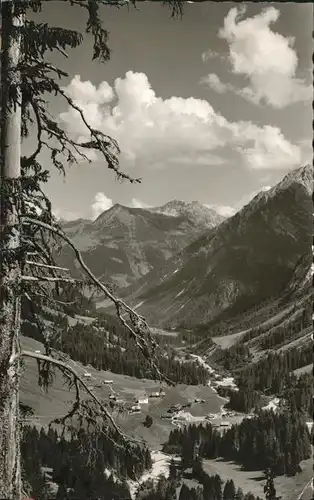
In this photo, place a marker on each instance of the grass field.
(288, 487)
(56, 402)
(228, 340)
(308, 492)
(303, 369)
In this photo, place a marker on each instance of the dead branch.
(137, 320)
(77, 380)
(100, 142)
(47, 278)
(39, 132)
(38, 264)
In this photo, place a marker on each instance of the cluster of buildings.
(136, 407)
(137, 403)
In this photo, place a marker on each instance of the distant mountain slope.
(274, 326)
(124, 243)
(258, 254)
(194, 210)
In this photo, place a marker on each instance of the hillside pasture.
(304, 369)
(56, 402)
(288, 487)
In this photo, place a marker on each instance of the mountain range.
(123, 244)
(261, 253)
(241, 285)
(184, 265)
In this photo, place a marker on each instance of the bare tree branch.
(39, 132)
(38, 264)
(78, 380)
(101, 142)
(47, 278)
(138, 322)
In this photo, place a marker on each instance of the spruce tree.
(239, 494)
(229, 490)
(28, 228)
(184, 493)
(269, 488)
(173, 474)
(61, 493)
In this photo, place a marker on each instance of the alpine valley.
(229, 301)
(156, 312)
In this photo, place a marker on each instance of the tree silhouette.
(148, 422)
(269, 488)
(29, 231)
(229, 490)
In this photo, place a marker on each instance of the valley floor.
(55, 403)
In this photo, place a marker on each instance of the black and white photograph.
(156, 250)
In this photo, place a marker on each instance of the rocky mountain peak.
(302, 176)
(239, 264)
(125, 243)
(193, 210)
(117, 211)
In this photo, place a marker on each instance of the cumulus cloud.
(65, 215)
(266, 147)
(156, 132)
(266, 58)
(224, 210)
(214, 82)
(101, 204)
(209, 54)
(228, 211)
(135, 203)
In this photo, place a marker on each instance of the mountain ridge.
(124, 243)
(210, 276)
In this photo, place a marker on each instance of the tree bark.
(10, 257)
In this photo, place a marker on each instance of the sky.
(212, 107)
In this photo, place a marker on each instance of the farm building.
(142, 401)
(225, 424)
(157, 394)
(135, 409)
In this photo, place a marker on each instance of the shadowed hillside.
(125, 243)
(262, 252)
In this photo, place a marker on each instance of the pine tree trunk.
(10, 271)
